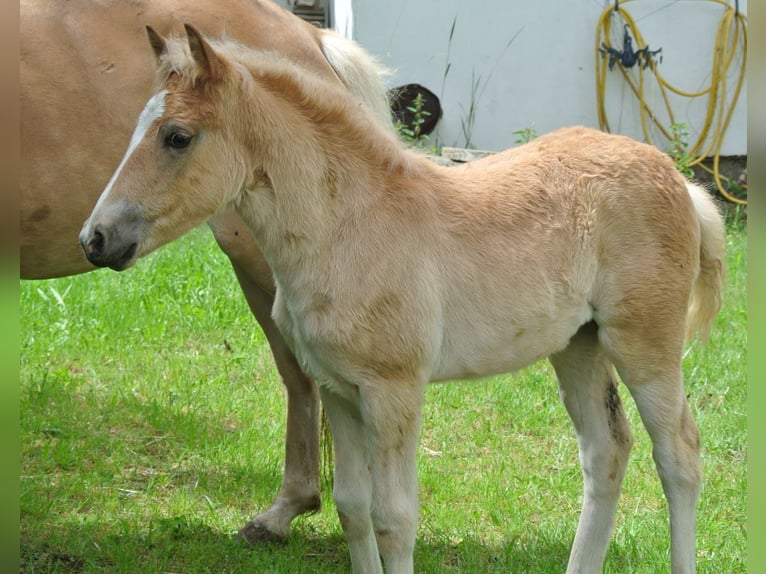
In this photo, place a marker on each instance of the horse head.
(179, 168)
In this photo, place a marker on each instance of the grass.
(152, 428)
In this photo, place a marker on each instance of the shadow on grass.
(59, 534)
(528, 556)
(178, 545)
(167, 451)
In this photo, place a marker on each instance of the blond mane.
(332, 111)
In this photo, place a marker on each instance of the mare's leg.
(588, 389)
(300, 484)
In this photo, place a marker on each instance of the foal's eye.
(177, 140)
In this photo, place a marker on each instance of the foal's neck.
(326, 161)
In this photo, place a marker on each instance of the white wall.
(546, 77)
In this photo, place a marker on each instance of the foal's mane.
(332, 110)
(177, 61)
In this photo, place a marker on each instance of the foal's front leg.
(393, 415)
(376, 489)
(352, 480)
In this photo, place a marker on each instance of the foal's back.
(536, 241)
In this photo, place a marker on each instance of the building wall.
(522, 65)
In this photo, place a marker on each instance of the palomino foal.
(392, 271)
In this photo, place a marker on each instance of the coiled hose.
(731, 38)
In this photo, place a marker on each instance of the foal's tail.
(362, 74)
(706, 293)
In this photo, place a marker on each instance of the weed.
(478, 85)
(412, 133)
(679, 149)
(525, 135)
(448, 65)
(736, 217)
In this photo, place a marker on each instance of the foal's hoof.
(254, 534)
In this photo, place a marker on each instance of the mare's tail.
(361, 72)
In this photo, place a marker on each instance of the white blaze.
(152, 111)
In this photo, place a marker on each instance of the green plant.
(468, 120)
(737, 187)
(412, 132)
(448, 65)
(525, 135)
(679, 146)
(478, 85)
(736, 217)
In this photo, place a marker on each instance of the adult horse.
(86, 72)
(587, 248)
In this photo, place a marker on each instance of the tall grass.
(152, 428)
(477, 86)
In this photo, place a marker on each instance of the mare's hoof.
(254, 534)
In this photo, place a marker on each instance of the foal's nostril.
(95, 246)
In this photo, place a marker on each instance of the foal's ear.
(208, 61)
(157, 42)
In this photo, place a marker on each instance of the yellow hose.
(731, 37)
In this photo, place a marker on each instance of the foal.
(391, 272)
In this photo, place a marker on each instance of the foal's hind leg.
(588, 389)
(300, 484)
(649, 362)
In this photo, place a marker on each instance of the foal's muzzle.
(111, 239)
(113, 254)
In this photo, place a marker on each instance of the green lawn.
(152, 429)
